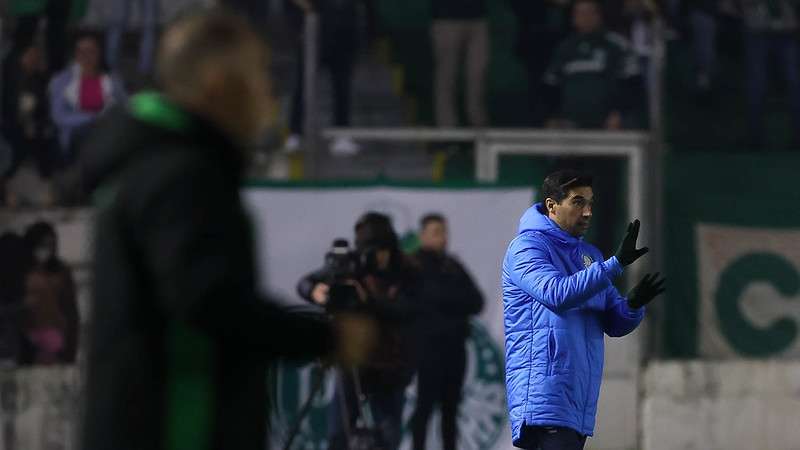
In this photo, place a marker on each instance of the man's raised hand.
(627, 252)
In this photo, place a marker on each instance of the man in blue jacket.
(558, 301)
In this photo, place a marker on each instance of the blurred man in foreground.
(558, 301)
(180, 339)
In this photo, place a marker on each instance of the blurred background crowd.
(729, 72)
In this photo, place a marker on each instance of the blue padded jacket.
(558, 300)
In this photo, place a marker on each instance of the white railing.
(491, 144)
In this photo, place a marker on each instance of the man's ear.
(550, 205)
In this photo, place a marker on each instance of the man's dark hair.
(558, 184)
(427, 219)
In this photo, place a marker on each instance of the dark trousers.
(440, 379)
(758, 48)
(339, 62)
(551, 438)
(57, 14)
(385, 406)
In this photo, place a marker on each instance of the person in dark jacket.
(385, 286)
(594, 76)
(558, 302)
(50, 320)
(180, 339)
(447, 297)
(26, 113)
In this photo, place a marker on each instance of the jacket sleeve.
(472, 300)
(64, 116)
(531, 269)
(196, 248)
(618, 319)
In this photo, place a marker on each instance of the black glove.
(644, 292)
(627, 252)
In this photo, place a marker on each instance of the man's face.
(574, 213)
(434, 236)
(87, 55)
(256, 102)
(586, 17)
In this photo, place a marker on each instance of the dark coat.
(180, 339)
(446, 298)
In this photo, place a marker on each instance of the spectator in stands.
(460, 29)
(50, 319)
(13, 266)
(447, 298)
(29, 14)
(592, 74)
(770, 29)
(541, 25)
(26, 115)
(80, 93)
(118, 23)
(338, 46)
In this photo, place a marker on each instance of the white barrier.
(740, 405)
(39, 408)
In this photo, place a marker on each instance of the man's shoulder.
(168, 170)
(528, 239)
(170, 162)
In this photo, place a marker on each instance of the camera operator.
(447, 298)
(379, 286)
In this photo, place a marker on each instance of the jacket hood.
(535, 220)
(126, 131)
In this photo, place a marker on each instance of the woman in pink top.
(81, 92)
(50, 319)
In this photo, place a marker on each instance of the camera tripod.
(364, 436)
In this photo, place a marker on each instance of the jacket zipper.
(551, 350)
(589, 365)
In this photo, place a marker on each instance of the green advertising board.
(733, 256)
